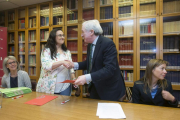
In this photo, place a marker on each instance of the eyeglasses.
(61, 35)
(10, 63)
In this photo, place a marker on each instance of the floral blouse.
(47, 80)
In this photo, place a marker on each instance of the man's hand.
(68, 64)
(167, 96)
(81, 80)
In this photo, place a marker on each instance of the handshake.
(68, 64)
(81, 80)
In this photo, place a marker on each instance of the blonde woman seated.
(153, 89)
(14, 77)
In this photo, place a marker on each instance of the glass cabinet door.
(147, 8)
(147, 41)
(88, 10)
(125, 8)
(171, 47)
(58, 13)
(44, 15)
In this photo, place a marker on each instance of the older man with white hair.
(104, 75)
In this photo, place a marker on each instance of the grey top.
(23, 80)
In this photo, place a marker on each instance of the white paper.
(110, 110)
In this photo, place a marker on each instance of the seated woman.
(153, 89)
(53, 71)
(14, 77)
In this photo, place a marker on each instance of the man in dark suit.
(104, 78)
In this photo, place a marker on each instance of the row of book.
(22, 59)
(11, 49)
(126, 45)
(72, 33)
(106, 13)
(84, 47)
(88, 14)
(44, 35)
(74, 58)
(125, 11)
(148, 44)
(173, 26)
(32, 60)
(72, 4)
(126, 61)
(88, 3)
(21, 36)
(73, 16)
(171, 6)
(32, 71)
(57, 20)
(107, 30)
(32, 36)
(84, 57)
(147, 27)
(32, 22)
(145, 58)
(11, 26)
(22, 68)
(22, 24)
(173, 77)
(72, 46)
(57, 9)
(127, 75)
(44, 21)
(11, 16)
(173, 59)
(32, 48)
(21, 48)
(171, 43)
(148, 9)
(106, 2)
(125, 29)
(11, 37)
(2, 19)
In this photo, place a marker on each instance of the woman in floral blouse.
(53, 69)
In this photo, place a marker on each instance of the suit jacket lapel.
(96, 50)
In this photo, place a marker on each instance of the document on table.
(110, 110)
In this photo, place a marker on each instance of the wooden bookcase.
(128, 23)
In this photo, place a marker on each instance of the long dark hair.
(147, 79)
(51, 43)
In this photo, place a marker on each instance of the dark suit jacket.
(138, 95)
(105, 72)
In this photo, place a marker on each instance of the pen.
(65, 101)
(18, 97)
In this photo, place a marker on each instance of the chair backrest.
(129, 94)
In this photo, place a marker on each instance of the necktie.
(90, 58)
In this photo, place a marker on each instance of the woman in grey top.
(14, 77)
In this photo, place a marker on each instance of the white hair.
(5, 69)
(93, 25)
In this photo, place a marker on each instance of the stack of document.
(110, 110)
(11, 92)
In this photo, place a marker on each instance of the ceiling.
(10, 4)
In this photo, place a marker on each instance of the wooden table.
(78, 109)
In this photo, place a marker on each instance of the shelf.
(88, 8)
(11, 21)
(129, 83)
(32, 16)
(171, 33)
(106, 20)
(171, 52)
(32, 41)
(126, 36)
(149, 1)
(126, 68)
(32, 53)
(72, 39)
(176, 87)
(126, 52)
(107, 5)
(147, 34)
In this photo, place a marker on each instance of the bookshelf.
(129, 23)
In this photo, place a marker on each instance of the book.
(11, 92)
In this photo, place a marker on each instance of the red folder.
(68, 81)
(41, 100)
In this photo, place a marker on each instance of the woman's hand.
(168, 96)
